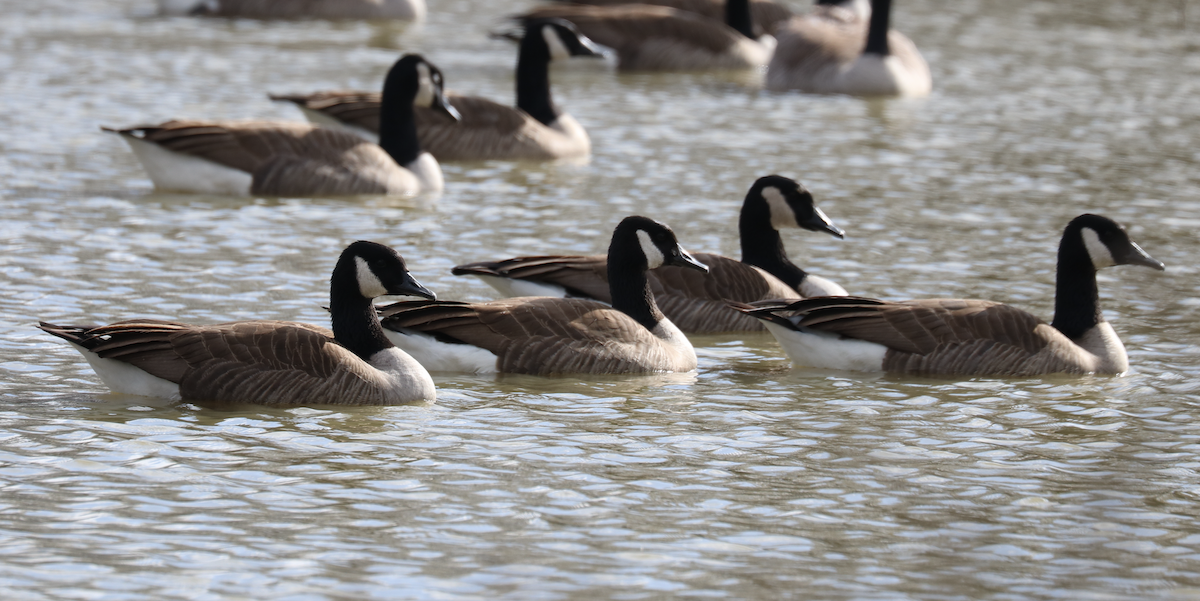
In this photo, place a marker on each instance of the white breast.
(428, 172)
(813, 285)
(406, 374)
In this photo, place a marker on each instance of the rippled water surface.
(746, 479)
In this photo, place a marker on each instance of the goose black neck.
(355, 322)
(762, 245)
(737, 16)
(398, 126)
(533, 79)
(877, 35)
(628, 285)
(1076, 296)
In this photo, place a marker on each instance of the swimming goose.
(969, 337)
(298, 159)
(833, 51)
(543, 336)
(694, 302)
(276, 363)
(649, 37)
(534, 129)
(407, 10)
(766, 14)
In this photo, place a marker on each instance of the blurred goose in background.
(832, 50)
(276, 363)
(693, 301)
(535, 129)
(296, 159)
(766, 15)
(649, 37)
(559, 335)
(407, 10)
(969, 337)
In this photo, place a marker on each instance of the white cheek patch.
(424, 87)
(782, 214)
(368, 283)
(558, 50)
(654, 256)
(1101, 256)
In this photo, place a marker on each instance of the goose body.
(535, 129)
(766, 14)
(969, 337)
(647, 37)
(694, 302)
(276, 363)
(296, 159)
(406, 10)
(540, 335)
(846, 47)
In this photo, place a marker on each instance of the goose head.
(418, 81)
(790, 204)
(1104, 243)
(656, 242)
(560, 39)
(378, 270)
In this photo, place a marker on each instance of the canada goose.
(297, 159)
(832, 51)
(695, 303)
(766, 14)
(407, 10)
(277, 363)
(534, 129)
(649, 37)
(558, 335)
(969, 337)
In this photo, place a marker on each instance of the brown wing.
(766, 14)
(543, 335)
(626, 28)
(940, 336)
(582, 276)
(286, 159)
(488, 130)
(360, 109)
(696, 302)
(810, 43)
(262, 362)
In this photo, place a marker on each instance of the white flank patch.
(815, 285)
(434, 355)
(1097, 250)
(126, 379)
(319, 118)
(654, 256)
(424, 86)
(558, 50)
(827, 351)
(782, 214)
(407, 374)
(368, 283)
(510, 287)
(428, 172)
(174, 171)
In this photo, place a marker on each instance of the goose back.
(407, 10)
(543, 336)
(282, 159)
(766, 14)
(660, 38)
